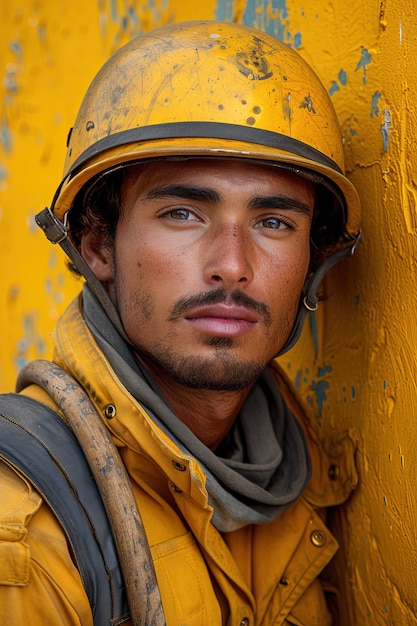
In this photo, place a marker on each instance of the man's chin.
(225, 373)
(237, 384)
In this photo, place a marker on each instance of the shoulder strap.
(38, 442)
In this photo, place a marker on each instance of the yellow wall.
(356, 362)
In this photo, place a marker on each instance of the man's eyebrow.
(205, 194)
(280, 202)
(186, 192)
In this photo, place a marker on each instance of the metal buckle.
(55, 230)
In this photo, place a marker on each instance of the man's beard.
(221, 372)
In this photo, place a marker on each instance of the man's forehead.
(198, 171)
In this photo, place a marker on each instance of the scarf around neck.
(262, 466)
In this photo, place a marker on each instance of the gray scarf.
(263, 465)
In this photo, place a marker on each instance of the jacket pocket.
(187, 592)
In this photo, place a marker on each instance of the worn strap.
(38, 443)
(57, 233)
(310, 300)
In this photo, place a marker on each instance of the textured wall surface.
(356, 361)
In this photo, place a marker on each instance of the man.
(204, 190)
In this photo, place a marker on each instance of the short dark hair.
(98, 210)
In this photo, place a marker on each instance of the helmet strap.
(57, 233)
(309, 301)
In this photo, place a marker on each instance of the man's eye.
(180, 214)
(275, 223)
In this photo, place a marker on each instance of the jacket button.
(318, 538)
(179, 466)
(333, 472)
(244, 622)
(110, 411)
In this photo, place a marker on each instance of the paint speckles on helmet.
(253, 63)
(307, 103)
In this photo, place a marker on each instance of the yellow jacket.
(263, 575)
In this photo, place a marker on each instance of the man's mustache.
(187, 303)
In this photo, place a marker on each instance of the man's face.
(209, 261)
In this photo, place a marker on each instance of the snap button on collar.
(318, 538)
(179, 466)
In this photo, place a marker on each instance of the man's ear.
(98, 256)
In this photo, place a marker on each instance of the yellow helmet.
(206, 89)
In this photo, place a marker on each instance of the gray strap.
(57, 233)
(310, 301)
(40, 444)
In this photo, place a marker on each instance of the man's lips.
(221, 320)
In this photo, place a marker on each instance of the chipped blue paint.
(12, 86)
(297, 40)
(20, 362)
(113, 11)
(342, 77)
(257, 13)
(16, 47)
(129, 21)
(224, 10)
(364, 61)
(384, 384)
(271, 16)
(385, 128)
(322, 371)
(375, 105)
(353, 390)
(334, 87)
(297, 379)
(352, 132)
(320, 387)
(133, 17)
(5, 136)
(30, 338)
(3, 173)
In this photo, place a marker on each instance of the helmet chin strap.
(309, 300)
(57, 232)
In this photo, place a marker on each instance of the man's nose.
(229, 259)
